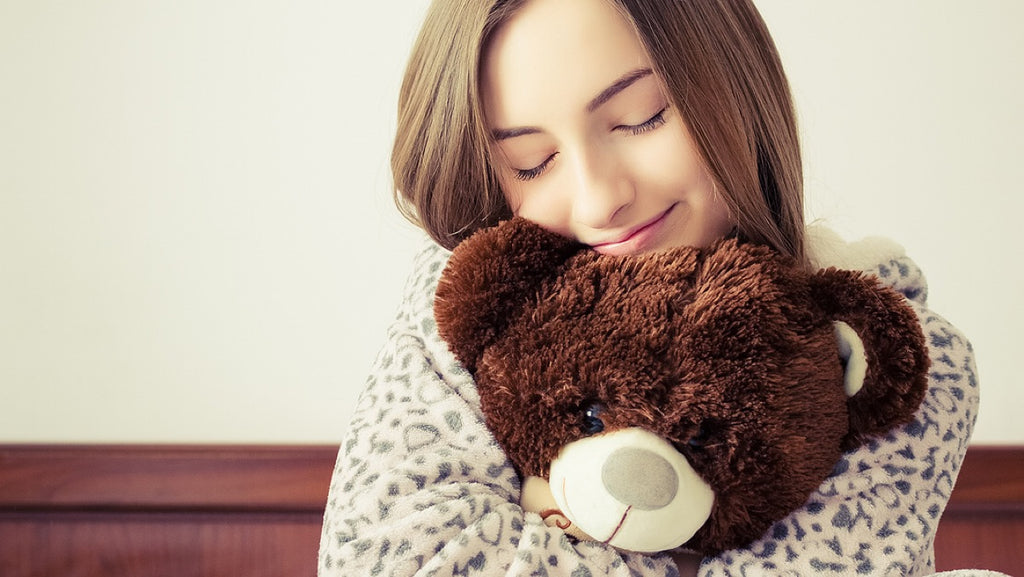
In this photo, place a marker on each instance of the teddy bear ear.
(490, 276)
(883, 347)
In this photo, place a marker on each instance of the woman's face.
(587, 144)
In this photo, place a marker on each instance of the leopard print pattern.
(422, 488)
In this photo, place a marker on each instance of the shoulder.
(878, 256)
(427, 265)
(877, 512)
(929, 449)
(952, 378)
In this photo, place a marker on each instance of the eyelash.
(651, 123)
(532, 173)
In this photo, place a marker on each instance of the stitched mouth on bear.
(565, 499)
(618, 527)
(596, 484)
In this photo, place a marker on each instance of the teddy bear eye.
(592, 423)
(704, 432)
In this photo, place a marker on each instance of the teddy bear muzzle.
(631, 489)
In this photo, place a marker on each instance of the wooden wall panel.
(992, 541)
(145, 544)
(146, 477)
(210, 511)
(200, 511)
(983, 526)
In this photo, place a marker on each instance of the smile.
(637, 239)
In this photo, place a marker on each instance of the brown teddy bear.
(689, 397)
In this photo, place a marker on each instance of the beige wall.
(196, 237)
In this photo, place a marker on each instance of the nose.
(601, 191)
(639, 478)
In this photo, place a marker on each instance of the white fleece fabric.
(422, 488)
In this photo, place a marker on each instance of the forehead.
(554, 56)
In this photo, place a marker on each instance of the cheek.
(513, 195)
(542, 202)
(667, 162)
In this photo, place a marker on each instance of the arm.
(421, 487)
(878, 513)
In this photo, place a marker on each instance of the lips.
(636, 239)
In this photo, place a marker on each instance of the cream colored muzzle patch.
(631, 489)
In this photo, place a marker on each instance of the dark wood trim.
(983, 526)
(991, 480)
(210, 510)
(296, 478)
(197, 478)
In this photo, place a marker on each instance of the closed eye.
(532, 173)
(650, 124)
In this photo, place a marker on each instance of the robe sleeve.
(421, 486)
(878, 512)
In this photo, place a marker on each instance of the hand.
(536, 497)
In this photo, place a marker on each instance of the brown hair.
(716, 59)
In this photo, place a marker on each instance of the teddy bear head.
(688, 397)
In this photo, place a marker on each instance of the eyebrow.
(624, 82)
(618, 86)
(506, 133)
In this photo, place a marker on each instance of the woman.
(631, 126)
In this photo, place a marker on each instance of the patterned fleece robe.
(421, 487)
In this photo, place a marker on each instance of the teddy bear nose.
(640, 478)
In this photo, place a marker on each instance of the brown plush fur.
(728, 353)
